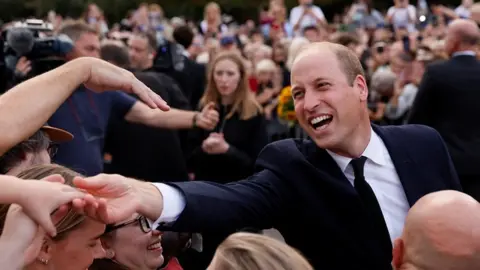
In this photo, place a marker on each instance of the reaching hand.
(22, 234)
(116, 200)
(208, 118)
(103, 76)
(42, 197)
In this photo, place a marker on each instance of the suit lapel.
(323, 162)
(404, 165)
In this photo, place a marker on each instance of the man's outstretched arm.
(28, 106)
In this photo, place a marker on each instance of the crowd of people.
(167, 143)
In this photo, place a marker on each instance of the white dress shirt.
(379, 173)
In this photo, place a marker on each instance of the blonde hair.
(245, 103)
(247, 251)
(72, 219)
(216, 7)
(265, 65)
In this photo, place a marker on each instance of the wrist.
(80, 69)
(194, 120)
(151, 200)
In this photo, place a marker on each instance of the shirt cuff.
(173, 205)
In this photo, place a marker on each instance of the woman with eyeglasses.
(131, 244)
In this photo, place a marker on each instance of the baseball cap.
(57, 135)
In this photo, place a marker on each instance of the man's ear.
(398, 252)
(361, 85)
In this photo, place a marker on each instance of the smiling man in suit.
(340, 198)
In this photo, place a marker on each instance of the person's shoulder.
(411, 135)
(285, 151)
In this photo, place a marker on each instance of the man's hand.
(117, 198)
(42, 197)
(103, 76)
(23, 67)
(208, 118)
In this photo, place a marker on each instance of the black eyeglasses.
(142, 221)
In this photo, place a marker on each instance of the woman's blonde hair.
(72, 219)
(244, 103)
(247, 251)
(209, 6)
(265, 65)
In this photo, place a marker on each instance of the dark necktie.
(372, 208)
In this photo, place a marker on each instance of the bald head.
(347, 59)
(442, 231)
(462, 35)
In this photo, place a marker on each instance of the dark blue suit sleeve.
(257, 202)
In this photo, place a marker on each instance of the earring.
(44, 261)
(110, 254)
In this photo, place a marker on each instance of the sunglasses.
(142, 221)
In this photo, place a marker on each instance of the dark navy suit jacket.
(300, 190)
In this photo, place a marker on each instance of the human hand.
(23, 236)
(52, 194)
(208, 118)
(116, 197)
(215, 144)
(23, 67)
(102, 76)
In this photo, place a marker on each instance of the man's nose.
(310, 101)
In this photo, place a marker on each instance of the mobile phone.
(380, 49)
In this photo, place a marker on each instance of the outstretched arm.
(27, 107)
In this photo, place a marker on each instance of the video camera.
(35, 40)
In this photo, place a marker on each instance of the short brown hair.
(72, 219)
(151, 39)
(248, 251)
(349, 62)
(75, 29)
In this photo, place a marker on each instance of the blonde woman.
(77, 236)
(212, 25)
(247, 251)
(228, 153)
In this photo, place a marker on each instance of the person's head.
(36, 150)
(77, 237)
(312, 33)
(441, 232)
(265, 71)
(86, 40)
(461, 35)
(402, 3)
(141, 49)
(295, 47)
(330, 96)
(212, 12)
(382, 82)
(305, 2)
(467, 3)
(133, 244)
(116, 54)
(279, 54)
(248, 251)
(228, 83)
(183, 35)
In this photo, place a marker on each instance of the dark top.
(246, 139)
(85, 114)
(447, 100)
(300, 190)
(148, 153)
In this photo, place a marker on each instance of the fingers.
(210, 106)
(90, 183)
(55, 178)
(149, 97)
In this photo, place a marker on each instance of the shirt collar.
(375, 152)
(469, 53)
